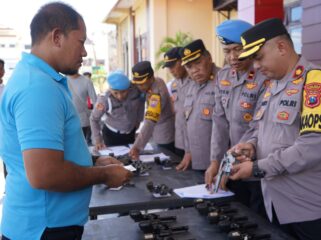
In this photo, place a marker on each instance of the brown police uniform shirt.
(159, 117)
(198, 107)
(179, 88)
(236, 95)
(122, 116)
(288, 145)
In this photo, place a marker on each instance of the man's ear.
(56, 37)
(282, 46)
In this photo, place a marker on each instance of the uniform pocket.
(286, 126)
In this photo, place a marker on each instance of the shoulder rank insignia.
(298, 71)
(267, 83)
(250, 76)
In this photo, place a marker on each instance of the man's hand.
(211, 172)
(242, 170)
(99, 146)
(117, 175)
(104, 161)
(134, 153)
(185, 163)
(245, 151)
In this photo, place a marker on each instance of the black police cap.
(254, 38)
(192, 51)
(171, 57)
(141, 72)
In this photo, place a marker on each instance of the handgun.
(225, 169)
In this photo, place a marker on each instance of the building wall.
(311, 32)
(169, 17)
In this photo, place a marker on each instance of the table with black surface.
(125, 228)
(104, 201)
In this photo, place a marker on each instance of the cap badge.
(136, 74)
(187, 52)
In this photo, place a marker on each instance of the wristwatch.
(256, 172)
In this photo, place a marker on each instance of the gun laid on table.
(225, 169)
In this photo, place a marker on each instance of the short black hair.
(1, 62)
(87, 74)
(53, 15)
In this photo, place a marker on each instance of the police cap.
(230, 31)
(254, 38)
(141, 72)
(171, 57)
(192, 51)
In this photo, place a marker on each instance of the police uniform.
(178, 90)
(198, 108)
(288, 136)
(158, 125)
(122, 117)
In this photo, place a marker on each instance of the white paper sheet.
(150, 157)
(130, 168)
(199, 191)
(117, 150)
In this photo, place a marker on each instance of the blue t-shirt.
(37, 112)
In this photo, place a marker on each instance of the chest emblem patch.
(283, 115)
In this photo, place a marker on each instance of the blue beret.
(118, 81)
(230, 31)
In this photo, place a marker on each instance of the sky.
(17, 14)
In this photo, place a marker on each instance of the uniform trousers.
(115, 139)
(309, 230)
(250, 194)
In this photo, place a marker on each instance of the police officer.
(198, 106)
(124, 109)
(236, 93)
(178, 88)
(159, 116)
(287, 141)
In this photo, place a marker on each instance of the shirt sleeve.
(40, 113)
(220, 128)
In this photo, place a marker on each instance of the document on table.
(150, 157)
(199, 191)
(148, 147)
(117, 150)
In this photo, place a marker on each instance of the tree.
(180, 39)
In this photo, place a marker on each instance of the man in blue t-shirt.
(50, 171)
